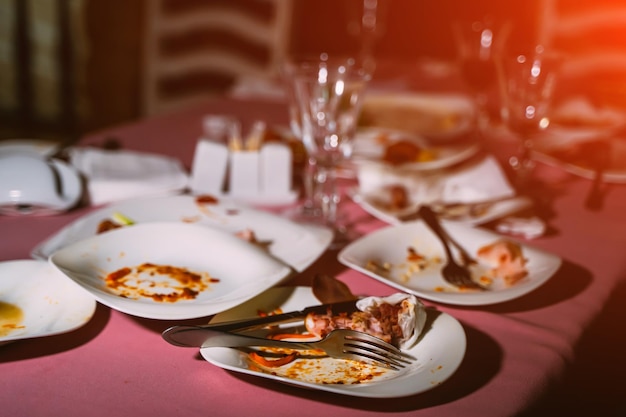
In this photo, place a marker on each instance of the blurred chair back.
(195, 48)
(592, 37)
(41, 60)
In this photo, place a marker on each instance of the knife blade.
(246, 324)
(198, 336)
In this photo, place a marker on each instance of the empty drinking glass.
(329, 94)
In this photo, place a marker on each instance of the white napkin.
(259, 87)
(122, 174)
(478, 181)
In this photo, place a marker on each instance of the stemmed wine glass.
(329, 93)
(366, 24)
(307, 210)
(527, 82)
(478, 42)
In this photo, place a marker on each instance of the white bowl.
(31, 183)
(243, 269)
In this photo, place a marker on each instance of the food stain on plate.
(11, 318)
(311, 368)
(162, 283)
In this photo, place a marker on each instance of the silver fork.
(342, 344)
(455, 274)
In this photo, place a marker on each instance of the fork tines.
(376, 350)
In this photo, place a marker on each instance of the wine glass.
(366, 24)
(307, 209)
(477, 43)
(329, 94)
(527, 82)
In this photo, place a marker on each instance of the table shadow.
(50, 345)
(568, 281)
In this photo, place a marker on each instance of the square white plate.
(243, 270)
(47, 302)
(389, 245)
(297, 245)
(439, 352)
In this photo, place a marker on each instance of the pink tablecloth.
(119, 365)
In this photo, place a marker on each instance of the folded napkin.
(122, 174)
(259, 87)
(479, 180)
(475, 181)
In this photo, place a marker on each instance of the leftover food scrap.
(398, 319)
(406, 152)
(505, 260)
(501, 261)
(116, 221)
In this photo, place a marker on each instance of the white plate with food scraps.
(169, 271)
(486, 212)
(36, 300)
(384, 255)
(439, 352)
(296, 245)
(441, 117)
(406, 151)
(575, 153)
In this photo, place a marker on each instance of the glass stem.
(309, 180)
(326, 194)
(523, 164)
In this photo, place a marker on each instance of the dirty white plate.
(492, 212)
(440, 117)
(36, 300)
(439, 352)
(389, 246)
(369, 147)
(297, 245)
(549, 148)
(227, 270)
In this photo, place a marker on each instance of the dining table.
(516, 352)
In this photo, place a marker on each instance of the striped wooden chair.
(196, 48)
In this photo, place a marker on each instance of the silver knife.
(199, 336)
(246, 324)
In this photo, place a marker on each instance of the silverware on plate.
(341, 344)
(275, 319)
(454, 273)
(468, 211)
